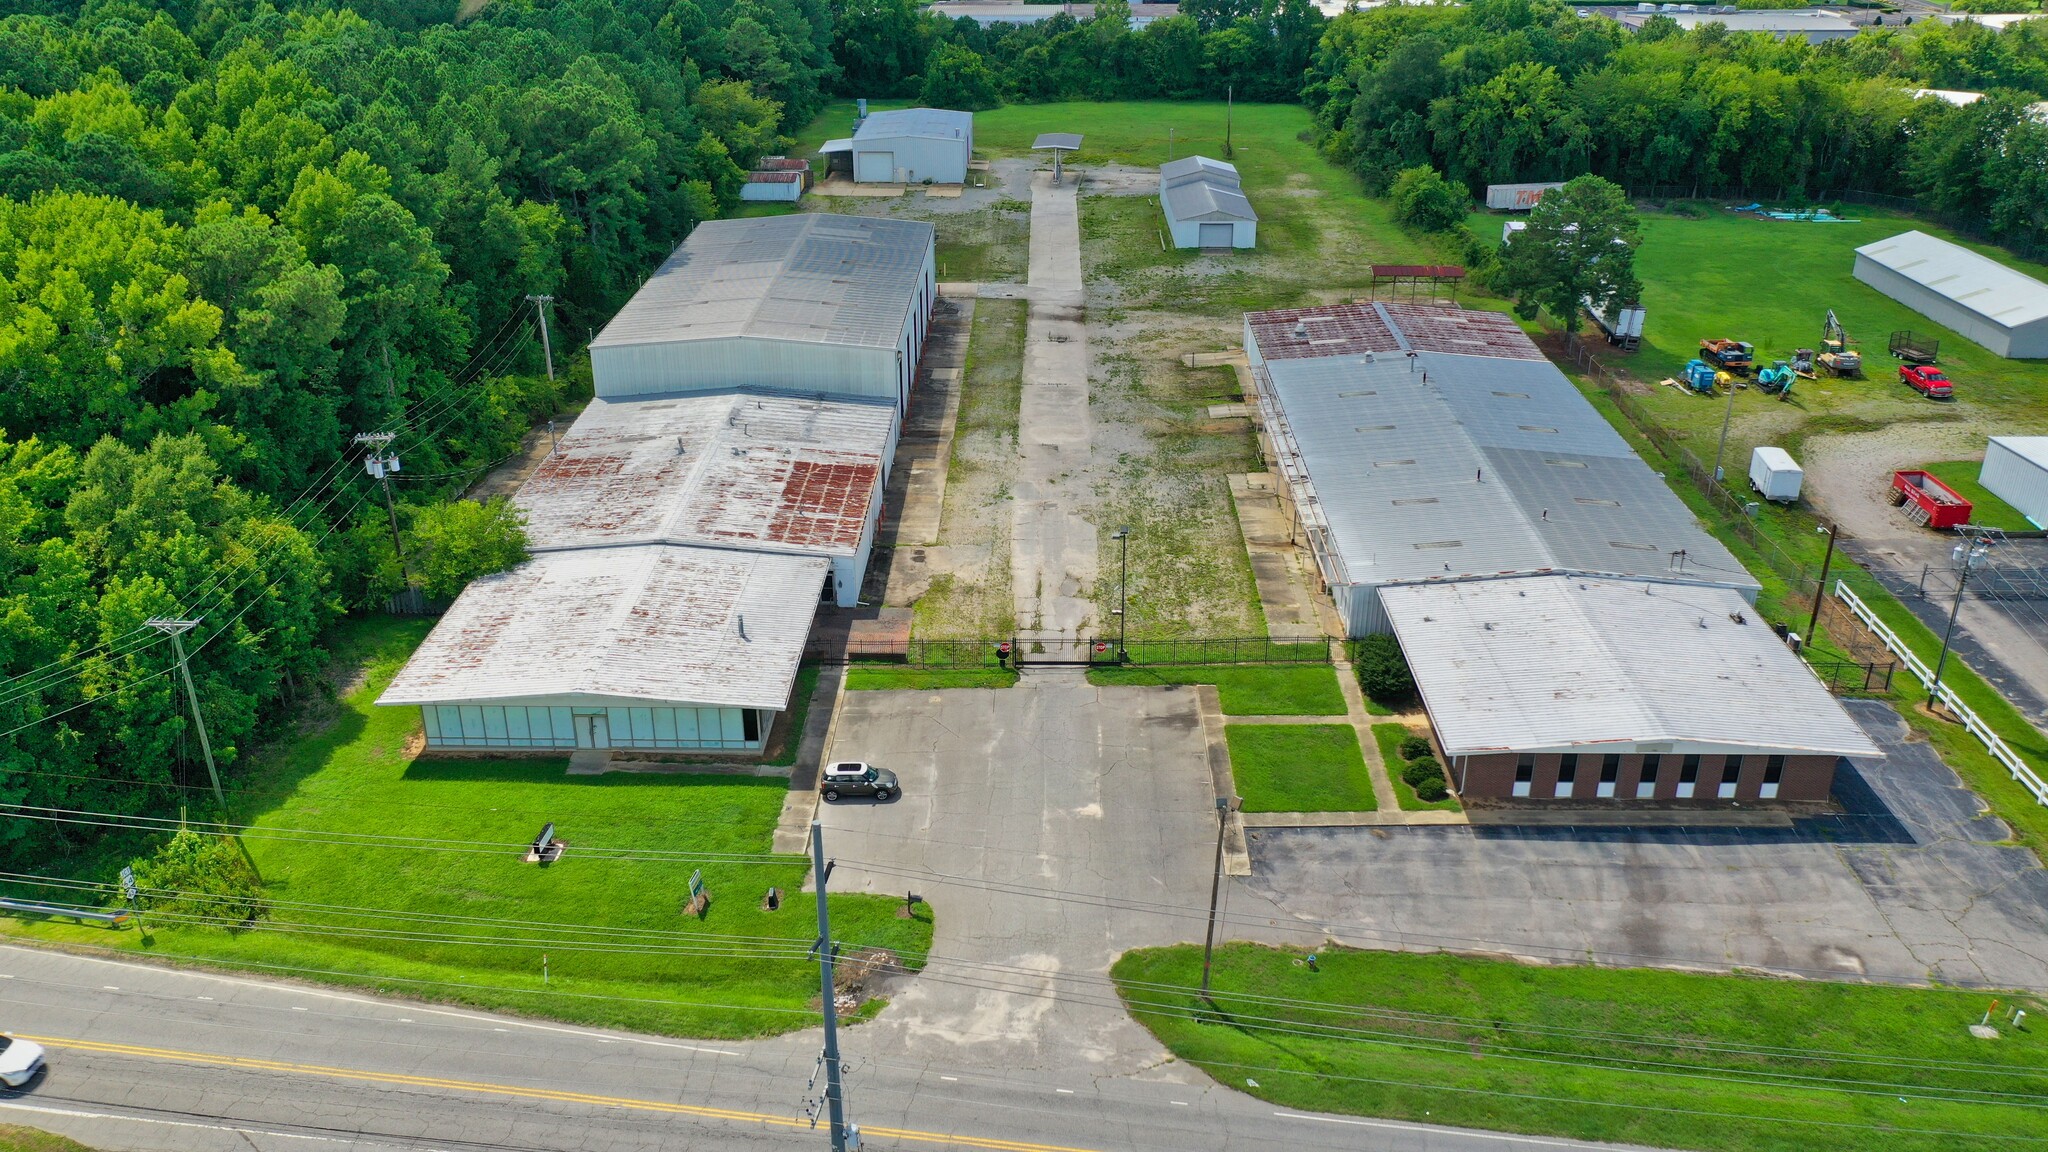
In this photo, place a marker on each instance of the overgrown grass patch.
(455, 914)
(896, 678)
(1245, 690)
(1637, 1056)
(1299, 768)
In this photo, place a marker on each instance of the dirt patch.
(1848, 478)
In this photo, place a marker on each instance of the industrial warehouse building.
(684, 538)
(1564, 614)
(2016, 471)
(1205, 205)
(2004, 310)
(909, 146)
(811, 302)
(1814, 26)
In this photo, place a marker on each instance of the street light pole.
(1965, 554)
(1726, 416)
(1123, 581)
(1813, 622)
(1215, 890)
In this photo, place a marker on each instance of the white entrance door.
(593, 730)
(1214, 236)
(874, 167)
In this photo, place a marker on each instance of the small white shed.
(773, 187)
(2016, 471)
(1205, 204)
(911, 146)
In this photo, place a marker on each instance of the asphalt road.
(144, 1057)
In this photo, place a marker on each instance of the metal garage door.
(1215, 236)
(874, 167)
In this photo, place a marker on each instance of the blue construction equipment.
(1699, 376)
(1777, 379)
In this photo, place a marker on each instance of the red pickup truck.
(1927, 380)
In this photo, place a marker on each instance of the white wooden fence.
(1918, 667)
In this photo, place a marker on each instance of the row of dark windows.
(1610, 768)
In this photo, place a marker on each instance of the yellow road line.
(253, 1063)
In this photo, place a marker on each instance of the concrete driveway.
(1909, 884)
(1051, 786)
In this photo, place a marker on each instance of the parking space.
(1910, 883)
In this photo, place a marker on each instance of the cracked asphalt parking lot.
(1910, 884)
(1053, 786)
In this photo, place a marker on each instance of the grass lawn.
(1299, 768)
(890, 677)
(1389, 737)
(1246, 690)
(1669, 1059)
(620, 950)
(1986, 509)
(14, 1138)
(976, 514)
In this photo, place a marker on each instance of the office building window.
(1731, 774)
(1646, 784)
(1774, 771)
(1567, 775)
(1688, 777)
(1525, 775)
(1610, 771)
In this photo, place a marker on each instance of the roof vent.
(1301, 329)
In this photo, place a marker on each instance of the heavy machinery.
(1837, 351)
(1776, 380)
(1731, 355)
(1699, 376)
(1802, 362)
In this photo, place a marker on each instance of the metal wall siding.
(724, 364)
(2017, 479)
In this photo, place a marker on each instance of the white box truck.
(1775, 475)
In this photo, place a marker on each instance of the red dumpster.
(1927, 500)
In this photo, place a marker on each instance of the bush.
(1421, 769)
(1415, 747)
(1431, 791)
(201, 876)
(1382, 670)
(1424, 200)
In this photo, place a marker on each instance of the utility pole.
(540, 308)
(1123, 604)
(1725, 418)
(1813, 622)
(1215, 890)
(382, 464)
(845, 1137)
(1229, 106)
(1966, 556)
(175, 629)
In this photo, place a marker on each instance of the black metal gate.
(1060, 649)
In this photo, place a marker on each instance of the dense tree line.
(234, 233)
(1522, 90)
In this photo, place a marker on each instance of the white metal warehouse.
(763, 472)
(2016, 471)
(1423, 443)
(2004, 310)
(1205, 204)
(909, 146)
(810, 302)
(653, 647)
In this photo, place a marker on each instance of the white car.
(20, 1060)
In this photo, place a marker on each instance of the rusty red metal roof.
(1354, 329)
(775, 177)
(1425, 271)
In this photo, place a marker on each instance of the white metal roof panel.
(704, 626)
(1565, 664)
(921, 123)
(811, 277)
(2032, 449)
(2000, 294)
(1198, 168)
(1203, 200)
(742, 469)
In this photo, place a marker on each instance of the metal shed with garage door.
(911, 146)
(1205, 204)
(2001, 308)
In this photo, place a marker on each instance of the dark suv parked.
(853, 778)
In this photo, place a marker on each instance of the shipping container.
(1775, 475)
(1517, 197)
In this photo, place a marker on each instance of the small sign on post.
(699, 898)
(128, 888)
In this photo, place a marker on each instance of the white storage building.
(762, 472)
(1205, 204)
(2004, 310)
(2016, 471)
(1422, 443)
(810, 302)
(909, 146)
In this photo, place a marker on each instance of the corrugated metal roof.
(2000, 294)
(1060, 141)
(656, 623)
(1202, 200)
(812, 277)
(2032, 449)
(1349, 329)
(745, 469)
(1441, 465)
(1198, 168)
(1536, 664)
(922, 123)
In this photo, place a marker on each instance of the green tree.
(1580, 245)
(1423, 199)
(959, 78)
(452, 544)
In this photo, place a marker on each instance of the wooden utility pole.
(382, 464)
(547, 349)
(175, 629)
(845, 1137)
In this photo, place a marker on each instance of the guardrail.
(117, 918)
(1971, 721)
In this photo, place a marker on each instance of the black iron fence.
(1006, 651)
(1851, 678)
